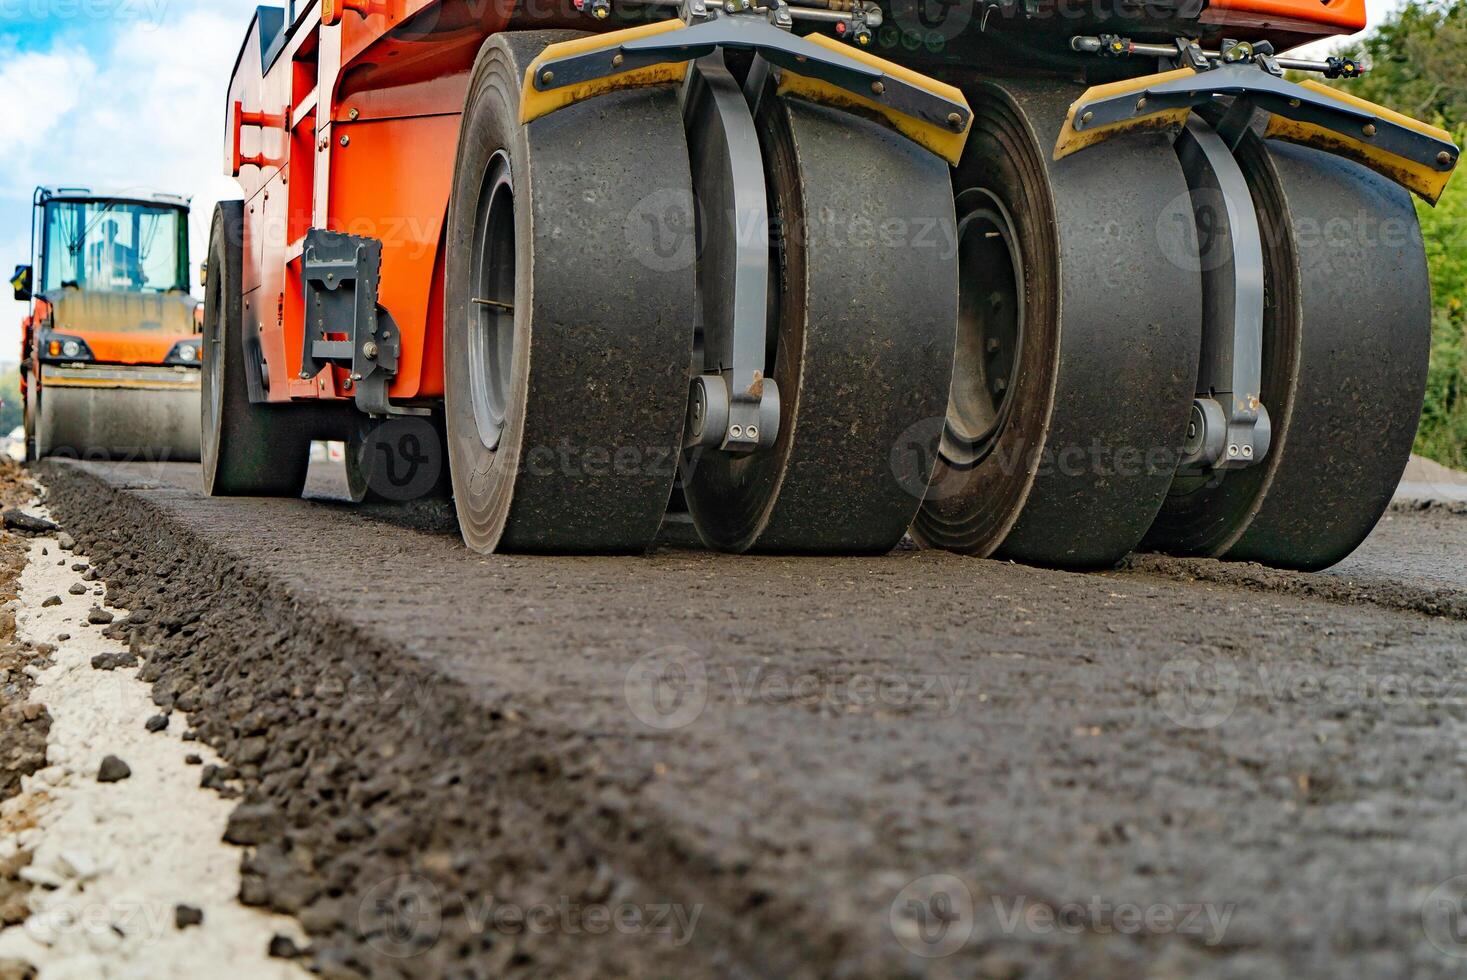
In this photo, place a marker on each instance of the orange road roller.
(1042, 280)
(111, 352)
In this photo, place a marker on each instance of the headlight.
(59, 347)
(186, 353)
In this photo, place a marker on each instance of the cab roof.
(44, 194)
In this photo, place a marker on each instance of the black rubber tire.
(864, 341)
(1347, 338)
(1083, 444)
(33, 451)
(249, 450)
(594, 396)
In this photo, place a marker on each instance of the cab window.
(115, 246)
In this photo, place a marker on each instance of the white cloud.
(144, 110)
(51, 84)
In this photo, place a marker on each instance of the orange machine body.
(119, 328)
(352, 128)
(1294, 18)
(349, 123)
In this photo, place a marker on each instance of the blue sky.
(120, 94)
(113, 94)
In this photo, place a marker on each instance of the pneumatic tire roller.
(1021, 288)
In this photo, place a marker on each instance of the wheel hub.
(990, 328)
(491, 312)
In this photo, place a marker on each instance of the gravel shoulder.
(915, 765)
(131, 876)
(23, 726)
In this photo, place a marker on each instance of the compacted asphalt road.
(697, 765)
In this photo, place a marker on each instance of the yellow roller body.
(946, 142)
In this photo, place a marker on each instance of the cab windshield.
(115, 246)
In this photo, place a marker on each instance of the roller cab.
(111, 355)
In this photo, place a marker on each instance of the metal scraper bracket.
(1279, 97)
(345, 326)
(1247, 84)
(754, 32)
(733, 407)
(1230, 427)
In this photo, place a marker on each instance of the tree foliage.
(10, 406)
(1418, 59)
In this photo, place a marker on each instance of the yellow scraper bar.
(535, 103)
(1354, 132)
(1417, 177)
(946, 142)
(1072, 140)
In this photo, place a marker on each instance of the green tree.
(1418, 59)
(10, 406)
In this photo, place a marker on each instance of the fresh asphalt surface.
(913, 765)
